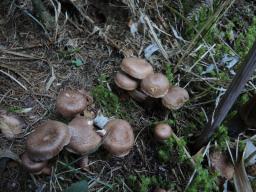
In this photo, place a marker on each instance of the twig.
(10, 76)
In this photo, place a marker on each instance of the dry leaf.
(220, 163)
(10, 125)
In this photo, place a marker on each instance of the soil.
(37, 66)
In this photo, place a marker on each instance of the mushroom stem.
(100, 121)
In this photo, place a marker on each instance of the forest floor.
(198, 46)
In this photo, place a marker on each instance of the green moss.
(146, 183)
(221, 136)
(245, 40)
(204, 180)
(110, 103)
(165, 151)
(106, 99)
(169, 73)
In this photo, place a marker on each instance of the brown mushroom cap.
(175, 98)
(220, 163)
(138, 95)
(10, 125)
(137, 68)
(120, 138)
(70, 102)
(84, 139)
(125, 82)
(162, 131)
(47, 140)
(32, 166)
(155, 85)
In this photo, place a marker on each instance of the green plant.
(204, 180)
(145, 183)
(77, 62)
(165, 151)
(169, 72)
(245, 40)
(221, 136)
(110, 103)
(107, 100)
(244, 98)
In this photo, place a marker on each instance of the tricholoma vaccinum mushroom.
(136, 68)
(125, 82)
(175, 98)
(119, 138)
(10, 125)
(71, 102)
(33, 166)
(155, 85)
(84, 139)
(47, 140)
(162, 131)
(118, 135)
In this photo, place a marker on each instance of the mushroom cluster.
(138, 78)
(79, 136)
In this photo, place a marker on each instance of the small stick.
(10, 76)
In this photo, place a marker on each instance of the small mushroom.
(71, 102)
(10, 125)
(32, 166)
(162, 131)
(155, 85)
(84, 139)
(125, 82)
(220, 163)
(175, 98)
(138, 95)
(137, 68)
(119, 138)
(47, 140)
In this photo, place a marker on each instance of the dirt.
(36, 67)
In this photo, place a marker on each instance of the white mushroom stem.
(100, 121)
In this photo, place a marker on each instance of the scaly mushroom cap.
(162, 131)
(137, 68)
(70, 102)
(84, 139)
(119, 139)
(125, 82)
(10, 125)
(175, 98)
(32, 166)
(155, 85)
(47, 140)
(138, 95)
